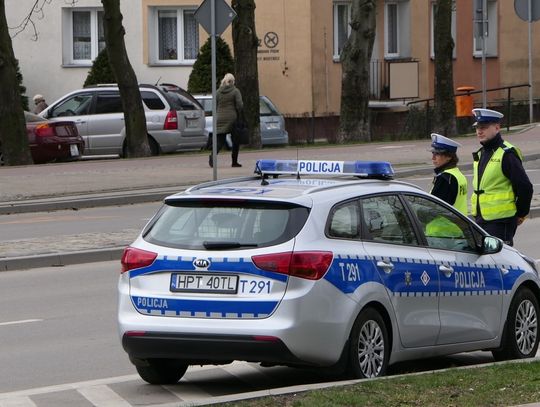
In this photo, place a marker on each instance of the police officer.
(449, 184)
(502, 192)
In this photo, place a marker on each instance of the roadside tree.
(135, 119)
(245, 44)
(355, 59)
(444, 114)
(14, 148)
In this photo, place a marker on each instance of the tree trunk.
(135, 119)
(14, 149)
(355, 61)
(245, 44)
(444, 115)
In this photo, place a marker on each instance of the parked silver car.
(174, 119)
(272, 121)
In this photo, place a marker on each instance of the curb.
(60, 259)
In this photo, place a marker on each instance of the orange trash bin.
(464, 103)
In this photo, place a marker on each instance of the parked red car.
(51, 141)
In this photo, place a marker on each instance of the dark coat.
(229, 102)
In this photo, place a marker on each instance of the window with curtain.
(87, 34)
(174, 35)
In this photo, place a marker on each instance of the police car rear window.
(225, 225)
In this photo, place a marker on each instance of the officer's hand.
(520, 220)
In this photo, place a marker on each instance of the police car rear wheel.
(369, 353)
(162, 371)
(521, 336)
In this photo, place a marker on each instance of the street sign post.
(214, 16)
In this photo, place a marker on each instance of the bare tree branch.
(36, 12)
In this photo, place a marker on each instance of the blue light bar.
(364, 169)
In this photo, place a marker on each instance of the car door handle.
(80, 122)
(446, 270)
(386, 266)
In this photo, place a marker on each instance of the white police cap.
(487, 116)
(441, 144)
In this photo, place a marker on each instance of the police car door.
(406, 268)
(470, 302)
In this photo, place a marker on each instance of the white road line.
(17, 402)
(394, 147)
(22, 321)
(68, 386)
(103, 396)
(187, 392)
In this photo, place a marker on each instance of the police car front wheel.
(369, 345)
(520, 339)
(161, 371)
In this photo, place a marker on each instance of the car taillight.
(171, 121)
(309, 265)
(44, 130)
(133, 258)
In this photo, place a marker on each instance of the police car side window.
(343, 222)
(443, 228)
(386, 220)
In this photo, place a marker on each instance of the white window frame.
(337, 28)
(67, 37)
(454, 31)
(153, 36)
(387, 52)
(493, 32)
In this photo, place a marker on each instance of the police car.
(327, 264)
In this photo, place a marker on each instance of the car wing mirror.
(491, 245)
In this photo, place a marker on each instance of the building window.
(342, 29)
(453, 29)
(491, 31)
(174, 35)
(84, 37)
(397, 29)
(391, 24)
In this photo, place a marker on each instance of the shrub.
(200, 79)
(101, 71)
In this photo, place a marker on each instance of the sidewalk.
(118, 182)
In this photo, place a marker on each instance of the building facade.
(300, 44)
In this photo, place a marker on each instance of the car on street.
(51, 141)
(325, 264)
(272, 121)
(174, 120)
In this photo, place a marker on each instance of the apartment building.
(300, 44)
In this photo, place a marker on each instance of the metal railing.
(493, 103)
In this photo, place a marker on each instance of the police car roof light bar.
(361, 169)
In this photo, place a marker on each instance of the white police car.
(304, 270)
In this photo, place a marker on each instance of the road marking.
(46, 219)
(17, 402)
(68, 386)
(22, 321)
(102, 396)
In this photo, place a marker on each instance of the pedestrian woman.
(449, 184)
(229, 105)
(40, 103)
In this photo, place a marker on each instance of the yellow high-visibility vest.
(494, 193)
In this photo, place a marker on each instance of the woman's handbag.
(240, 132)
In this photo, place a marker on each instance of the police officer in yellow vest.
(502, 192)
(449, 184)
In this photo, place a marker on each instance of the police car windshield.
(220, 225)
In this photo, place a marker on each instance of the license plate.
(192, 123)
(204, 283)
(74, 150)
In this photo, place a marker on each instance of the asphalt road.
(60, 347)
